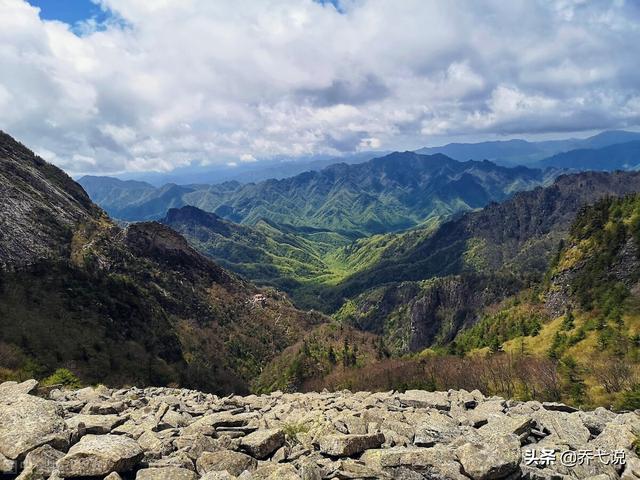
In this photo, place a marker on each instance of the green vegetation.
(516, 318)
(327, 348)
(62, 377)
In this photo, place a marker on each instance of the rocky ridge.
(165, 433)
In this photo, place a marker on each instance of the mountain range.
(248, 171)
(621, 156)
(523, 152)
(390, 193)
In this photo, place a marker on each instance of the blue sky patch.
(69, 11)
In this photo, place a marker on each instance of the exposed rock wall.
(162, 433)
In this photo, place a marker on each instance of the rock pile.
(164, 433)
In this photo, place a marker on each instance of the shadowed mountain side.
(122, 306)
(442, 283)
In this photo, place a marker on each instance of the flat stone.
(519, 425)
(11, 389)
(563, 428)
(218, 476)
(272, 471)
(168, 473)
(349, 445)
(97, 455)
(7, 465)
(95, 424)
(225, 460)
(27, 422)
(558, 407)
(209, 423)
(175, 459)
(42, 461)
(491, 459)
(423, 399)
(154, 446)
(435, 462)
(616, 437)
(436, 428)
(262, 443)
(597, 420)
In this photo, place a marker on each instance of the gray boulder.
(99, 455)
(95, 424)
(39, 464)
(11, 389)
(436, 428)
(27, 422)
(166, 473)
(349, 445)
(490, 458)
(423, 399)
(262, 443)
(225, 460)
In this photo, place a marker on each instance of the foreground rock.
(27, 422)
(98, 455)
(163, 433)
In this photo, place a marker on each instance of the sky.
(111, 86)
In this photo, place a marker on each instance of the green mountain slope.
(121, 306)
(573, 336)
(301, 261)
(586, 314)
(266, 253)
(441, 283)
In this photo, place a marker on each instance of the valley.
(399, 269)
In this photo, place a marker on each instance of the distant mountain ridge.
(389, 193)
(523, 152)
(248, 172)
(621, 156)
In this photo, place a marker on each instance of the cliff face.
(600, 261)
(134, 305)
(39, 206)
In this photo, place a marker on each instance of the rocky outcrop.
(164, 433)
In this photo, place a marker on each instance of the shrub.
(630, 399)
(62, 377)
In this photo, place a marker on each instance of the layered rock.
(163, 433)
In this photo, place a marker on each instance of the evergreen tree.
(568, 322)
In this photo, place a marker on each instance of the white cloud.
(247, 158)
(170, 82)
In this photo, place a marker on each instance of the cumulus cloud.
(167, 83)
